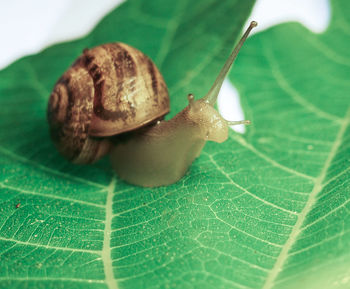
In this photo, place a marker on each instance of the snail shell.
(110, 89)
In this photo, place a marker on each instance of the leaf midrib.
(106, 250)
(317, 188)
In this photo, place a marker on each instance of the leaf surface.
(296, 156)
(269, 209)
(62, 225)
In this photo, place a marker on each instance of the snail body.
(113, 89)
(162, 153)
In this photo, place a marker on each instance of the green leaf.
(269, 209)
(69, 226)
(295, 159)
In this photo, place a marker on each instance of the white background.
(29, 26)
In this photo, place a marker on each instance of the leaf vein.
(284, 85)
(282, 258)
(48, 279)
(2, 185)
(12, 155)
(106, 250)
(247, 192)
(326, 215)
(49, 246)
(243, 142)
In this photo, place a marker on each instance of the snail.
(113, 100)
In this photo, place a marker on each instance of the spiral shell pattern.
(110, 89)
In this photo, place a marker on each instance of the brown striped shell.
(110, 89)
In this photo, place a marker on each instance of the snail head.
(211, 124)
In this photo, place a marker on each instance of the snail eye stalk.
(213, 93)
